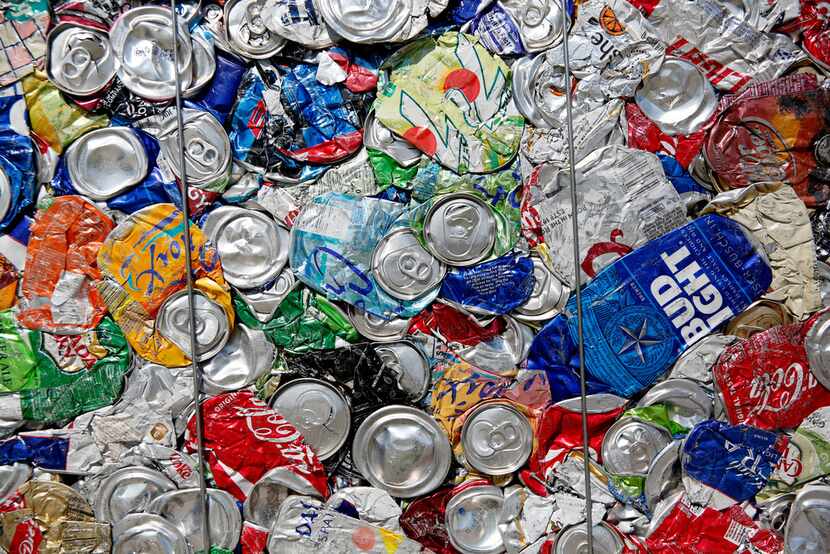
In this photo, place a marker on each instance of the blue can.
(645, 309)
(18, 172)
(46, 452)
(495, 287)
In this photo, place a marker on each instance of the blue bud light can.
(495, 287)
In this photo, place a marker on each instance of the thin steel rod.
(577, 280)
(191, 312)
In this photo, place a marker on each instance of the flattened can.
(496, 438)
(606, 539)
(403, 268)
(246, 31)
(376, 328)
(630, 446)
(90, 158)
(79, 59)
(459, 229)
(472, 516)
(212, 331)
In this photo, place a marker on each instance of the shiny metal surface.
(264, 302)
(402, 450)
(821, 150)
(266, 497)
(247, 355)
(403, 268)
(203, 66)
(5, 194)
(147, 534)
(105, 162)
(252, 246)
(817, 345)
(460, 229)
(375, 328)
(246, 32)
(377, 136)
(142, 42)
(539, 21)
(12, 476)
(808, 526)
(297, 21)
(497, 438)
(502, 353)
(128, 490)
(207, 148)
(630, 445)
(595, 403)
(410, 366)
(472, 518)
(183, 508)
(574, 540)
(696, 363)
(318, 410)
(79, 59)
(664, 474)
(687, 402)
(549, 295)
(376, 21)
(212, 330)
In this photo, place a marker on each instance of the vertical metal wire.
(188, 247)
(577, 281)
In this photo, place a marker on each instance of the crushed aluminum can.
(402, 451)
(804, 533)
(548, 297)
(630, 446)
(372, 506)
(246, 31)
(137, 532)
(79, 59)
(264, 302)
(212, 332)
(183, 508)
(774, 513)
(424, 520)
(403, 268)
(759, 316)
(297, 20)
(265, 500)
(678, 98)
(472, 516)
(246, 356)
(494, 287)
(606, 539)
(525, 517)
(376, 328)
(496, 438)
(664, 474)
(511, 27)
(407, 365)
(318, 410)
(89, 161)
(687, 402)
(390, 21)
(143, 47)
(459, 229)
(378, 137)
(129, 490)
(502, 354)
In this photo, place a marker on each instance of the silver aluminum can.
(817, 345)
(378, 137)
(539, 22)
(630, 445)
(247, 355)
(497, 438)
(503, 353)
(12, 476)
(402, 450)
(677, 98)
(79, 59)
(575, 539)
(183, 508)
(203, 66)
(808, 527)
(686, 401)
(148, 534)
(212, 331)
(549, 295)
(664, 474)
(318, 410)
(142, 42)
(373, 505)
(297, 20)
(128, 490)
(460, 229)
(594, 403)
(105, 162)
(245, 30)
(376, 21)
(403, 268)
(375, 328)
(409, 365)
(5, 195)
(472, 518)
(775, 512)
(264, 302)
(822, 151)
(696, 363)
(252, 246)
(207, 152)
(262, 506)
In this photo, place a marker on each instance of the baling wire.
(577, 280)
(191, 312)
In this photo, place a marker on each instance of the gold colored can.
(759, 316)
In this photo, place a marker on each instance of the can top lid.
(183, 508)
(575, 539)
(497, 438)
(409, 365)
(79, 59)
(630, 445)
(105, 162)
(376, 328)
(129, 490)
(688, 403)
(549, 295)
(212, 330)
(133, 532)
(246, 31)
(207, 152)
(403, 268)
(460, 229)
(377, 21)
(472, 518)
(379, 137)
(247, 355)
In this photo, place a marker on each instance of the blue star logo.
(637, 340)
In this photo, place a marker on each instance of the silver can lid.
(212, 330)
(808, 527)
(204, 65)
(403, 268)
(539, 22)
(246, 32)
(264, 303)
(549, 295)
(403, 451)
(207, 152)
(472, 518)
(5, 194)
(574, 539)
(460, 229)
(410, 366)
(375, 328)
(822, 151)
(524, 74)
(128, 490)
(594, 403)
(775, 512)
(497, 438)
(105, 162)
(687, 402)
(183, 508)
(696, 363)
(247, 355)
(298, 21)
(262, 506)
(142, 43)
(630, 445)
(253, 248)
(817, 345)
(148, 534)
(12, 476)
(79, 59)
(664, 474)
(678, 98)
(378, 136)
(318, 410)
(502, 353)
(366, 22)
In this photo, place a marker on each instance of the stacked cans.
(449, 276)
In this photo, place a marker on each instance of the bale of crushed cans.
(384, 265)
